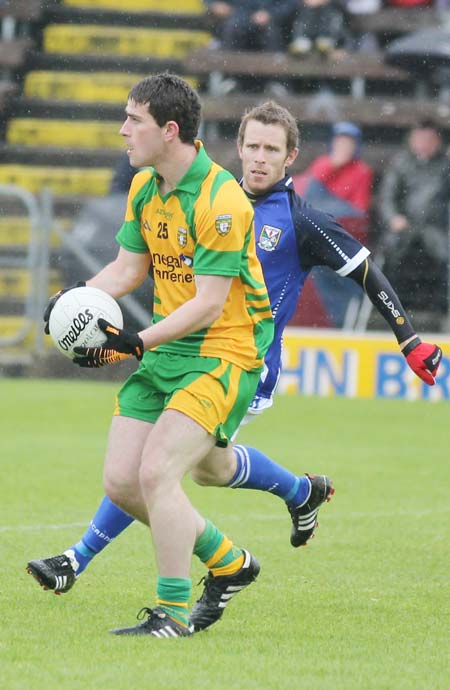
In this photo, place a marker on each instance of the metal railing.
(32, 261)
(35, 261)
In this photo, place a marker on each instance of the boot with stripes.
(219, 590)
(57, 573)
(158, 624)
(304, 516)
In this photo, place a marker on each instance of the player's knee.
(116, 491)
(202, 476)
(119, 485)
(215, 473)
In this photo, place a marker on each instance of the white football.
(73, 319)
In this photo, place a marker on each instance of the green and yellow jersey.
(203, 227)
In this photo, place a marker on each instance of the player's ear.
(292, 155)
(171, 130)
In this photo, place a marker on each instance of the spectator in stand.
(409, 3)
(339, 183)
(414, 205)
(255, 25)
(440, 5)
(359, 38)
(123, 174)
(251, 24)
(320, 25)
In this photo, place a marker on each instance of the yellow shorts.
(211, 391)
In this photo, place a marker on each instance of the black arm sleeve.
(384, 298)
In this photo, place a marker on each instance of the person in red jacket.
(340, 183)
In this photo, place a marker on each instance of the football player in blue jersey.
(291, 238)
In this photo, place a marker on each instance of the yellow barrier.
(15, 231)
(62, 181)
(15, 283)
(163, 6)
(116, 40)
(333, 363)
(84, 87)
(9, 326)
(77, 134)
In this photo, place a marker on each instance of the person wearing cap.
(338, 182)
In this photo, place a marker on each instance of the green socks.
(218, 552)
(173, 596)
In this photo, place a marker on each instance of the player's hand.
(94, 357)
(52, 301)
(424, 359)
(119, 345)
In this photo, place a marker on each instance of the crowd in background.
(300, 26)
(409, 202)
(412, 200)
(410, 206)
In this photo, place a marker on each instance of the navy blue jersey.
(291, 238)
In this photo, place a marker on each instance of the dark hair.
(270, 113)
(170, 98)
(428, 123)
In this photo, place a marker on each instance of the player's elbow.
(134, 278)
(214, 311)
(211, 309)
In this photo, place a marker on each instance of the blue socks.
(257, 471)
(108, 522)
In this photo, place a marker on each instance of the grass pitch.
(363, 607)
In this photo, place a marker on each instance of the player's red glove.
(52, 301)
(424, 359)
(119, 345)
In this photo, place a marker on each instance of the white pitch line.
(38, 528)
(257, 516)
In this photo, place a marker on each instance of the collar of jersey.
(280, 186)
(193, 178)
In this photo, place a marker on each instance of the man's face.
(264, 156)
(424, 142)
(343, 149)
(144, 137)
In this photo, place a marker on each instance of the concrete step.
(382, 112)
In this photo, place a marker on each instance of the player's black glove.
(424, 359)
(119, 345)
(52, 301)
